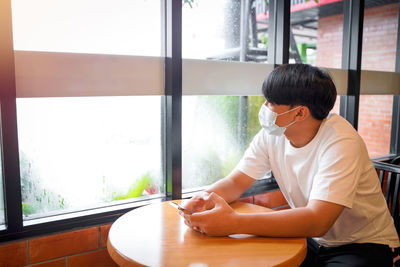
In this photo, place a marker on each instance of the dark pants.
(368, 254)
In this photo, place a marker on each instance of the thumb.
(216, 199)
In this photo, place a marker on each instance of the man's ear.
(302, 113)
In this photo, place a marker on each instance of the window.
(215, 136)
(316, 34)
(120, 27)
(230, 32)
(317, 31)
(89, 103)
(378, 54)
(78, 153)
(221, 98)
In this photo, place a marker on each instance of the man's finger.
(216, 198)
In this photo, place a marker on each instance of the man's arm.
(313, 220)
(229, 188)
(233, 186)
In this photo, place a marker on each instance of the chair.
(389, 177)
(396, 161)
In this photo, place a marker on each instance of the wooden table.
(155, 235)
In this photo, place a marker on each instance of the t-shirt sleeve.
(255, 161)
(339, 172)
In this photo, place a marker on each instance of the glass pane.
(121, 27)
(215, 132)
(317, 30)
(211, 29)
(379, 35)
(374, 123)
(76, 153)
(379, 54)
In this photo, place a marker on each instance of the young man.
(322, 167)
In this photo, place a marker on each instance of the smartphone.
(179, 207)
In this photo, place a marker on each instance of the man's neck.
(304, 132)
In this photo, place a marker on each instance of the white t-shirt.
(335, 167)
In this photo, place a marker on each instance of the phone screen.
(179, 207)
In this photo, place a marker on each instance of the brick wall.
(84, 247)
(380, 38)
(375, 122)
(329, 44)
(379, 51)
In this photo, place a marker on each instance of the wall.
(379, 53)
(83, 247)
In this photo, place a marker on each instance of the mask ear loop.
(289, 110)
(294, 121)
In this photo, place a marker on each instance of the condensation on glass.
(217, 129)
(214, 136)
(76, 153)
(119, 27)
(80, 152)
(378, 54)
(224, 30)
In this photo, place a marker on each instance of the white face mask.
(268, 118)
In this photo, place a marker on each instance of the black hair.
(301, 84)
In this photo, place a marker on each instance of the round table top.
(155, 235)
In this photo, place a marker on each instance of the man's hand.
(218, 221)
(199, 203)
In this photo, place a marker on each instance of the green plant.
(226, 107)
(189, 2)
(36, 198)
(229, 164)
(253, 124)
(136, 189)
(28, 209)
(264, 39)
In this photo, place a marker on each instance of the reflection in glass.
(120, 27)
(77, 153)
(212, 136)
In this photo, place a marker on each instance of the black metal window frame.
(278, 53)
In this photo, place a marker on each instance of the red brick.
(99, 258)
(59, 245)
(13, 254)
(55, 263)
(374, 123)
(104, 234)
